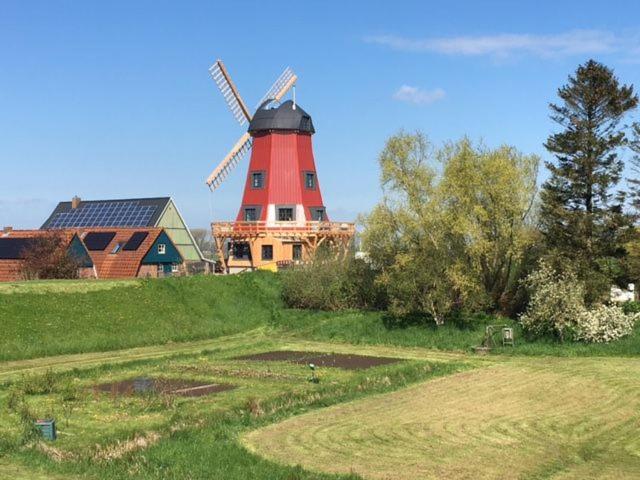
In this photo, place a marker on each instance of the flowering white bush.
(556, 303)
(557, 308)
(604, 323)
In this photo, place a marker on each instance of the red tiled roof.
(123, 263)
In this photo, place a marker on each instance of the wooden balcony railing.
(283, 228)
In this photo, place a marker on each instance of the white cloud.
(417, 96)
(575, 42)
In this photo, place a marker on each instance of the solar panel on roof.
(14, 248)
(98, 240)
(135, 241)
(105, 214)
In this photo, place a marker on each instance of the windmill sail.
(229, 162)
(229, 92)
(280, 87)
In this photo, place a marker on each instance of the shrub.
(331, 281)
(604, 323)
(557, 308)
(631, 307)
(556, 301)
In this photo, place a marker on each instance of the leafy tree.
(451, 228)
(47, 257)
(203, 239)
(489, 195)
(582, 216)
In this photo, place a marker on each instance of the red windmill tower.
(282, 218)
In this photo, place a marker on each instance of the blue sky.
(113, 99)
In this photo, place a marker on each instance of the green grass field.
(529, 412)
(560, 418)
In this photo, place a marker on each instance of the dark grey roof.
(130, 212)
(283, 117)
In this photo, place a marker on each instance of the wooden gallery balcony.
(283, 229)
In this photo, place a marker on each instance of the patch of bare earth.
(321, 359)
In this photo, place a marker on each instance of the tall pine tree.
(634, 180)
(581, 214)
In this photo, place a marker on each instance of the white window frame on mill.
(162, 249)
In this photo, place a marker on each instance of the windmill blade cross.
(230, 93)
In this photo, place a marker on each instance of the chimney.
(7, 229)
(75, 202)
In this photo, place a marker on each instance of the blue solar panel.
(105, 214)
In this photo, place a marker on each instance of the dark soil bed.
(142, 385)
(321, 359)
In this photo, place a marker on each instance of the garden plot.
(321, 359)
(164, 386)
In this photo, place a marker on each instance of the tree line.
(464, 228)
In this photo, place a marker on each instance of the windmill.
(282, 217)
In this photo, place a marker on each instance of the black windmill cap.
(283, 117)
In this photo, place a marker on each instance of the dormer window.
(310, 180)
(318, 214)
(251, 214)
(257, 180)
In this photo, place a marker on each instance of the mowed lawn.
(525, 418)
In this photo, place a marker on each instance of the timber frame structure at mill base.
(244, 246)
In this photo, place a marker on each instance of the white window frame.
(162, 248)
(175, 268)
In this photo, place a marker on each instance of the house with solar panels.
(160, 212)
(132, 252)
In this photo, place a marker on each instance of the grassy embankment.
(52, 318)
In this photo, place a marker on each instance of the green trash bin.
(47, 429)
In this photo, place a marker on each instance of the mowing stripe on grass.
(530, 419)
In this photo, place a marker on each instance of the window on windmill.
(285, 214)
(241, 250)
(317, 214)
(162, 249)
(310, 180)
(267, 252)
(257, 180)
(250, 214)
(296, 254)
